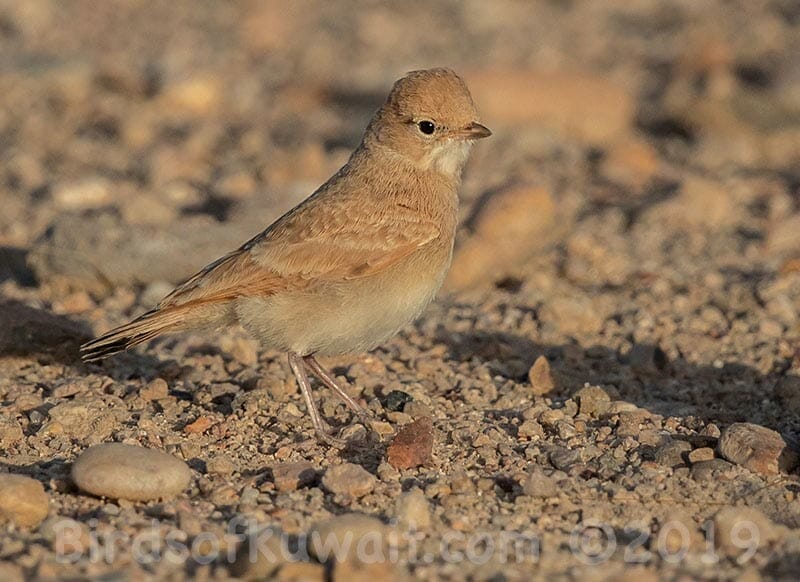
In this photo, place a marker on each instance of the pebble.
(413, 445)
(701, 454)
(10, 432)
(23, 500)
(593, 400)
(364, 532)
(756, 448)
(396, 400)
(412, 510)
(711, 471)
(530, 428)
(292, 476)
(541, 377)
(221, 465)
(155, 390)
(348, 479)
(539, 484)
(735, 527)
(673, 453)
(122, 471)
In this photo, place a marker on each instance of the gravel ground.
(609, 387)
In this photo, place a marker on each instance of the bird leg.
(326, 378)
(320, 426)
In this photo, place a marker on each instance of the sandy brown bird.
(351, 265)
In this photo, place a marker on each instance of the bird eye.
(426, 127)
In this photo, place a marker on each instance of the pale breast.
(347, 316)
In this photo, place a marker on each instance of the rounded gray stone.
(128, 472)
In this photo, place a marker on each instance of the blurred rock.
(10, 432)
(700, 203)
(757, 448)
(580, 104)
(738, 528)
(23, 500)
(348, 479)
(102, 250)
(413, 510)
(673, 453)
(510, 227)
(91, 192)
(348, 533)
(199, 95)
(593, 400)
(291, 476)
(631, 162)
(539, 484)
(260, 555)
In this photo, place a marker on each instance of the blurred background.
(140, 139)
(633, 224)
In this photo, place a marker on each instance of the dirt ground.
(612, 372)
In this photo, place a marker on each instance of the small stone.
(221, 465)
(593, 400)
(412, 510)
(541, 377)
(563, 458)
(10, 432)
(354, 534)
(672, 453)
(396, 400)
(735, 528)
(348, 479)
(711, 471)
(23, 500)
(701, 454)
(129, 472)
(156, 389)
(756, 448)
(292, 476)
(413, 445)
(539, 484)
(630, 423)
(530, 429)
(199, 426)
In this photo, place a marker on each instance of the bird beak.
(476, 131)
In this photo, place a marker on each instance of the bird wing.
(312, 243)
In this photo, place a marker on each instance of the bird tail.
(147, 326)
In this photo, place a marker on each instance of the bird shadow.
(645, 376)
(39, 334)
